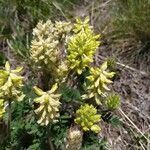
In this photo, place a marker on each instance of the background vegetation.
(131, 23)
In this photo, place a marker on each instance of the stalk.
(49, 139)
(9, 120)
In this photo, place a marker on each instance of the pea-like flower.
(11, 83)
(48, 109)
(44, 47)
(62, 71)
(63, 28)
(48, 43)
(98, 78)
(82, 25)
(2, 110)
(82, 46)
(87, 118)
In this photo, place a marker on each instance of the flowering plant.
(74, 92)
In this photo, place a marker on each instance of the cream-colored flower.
(99, 78)
(62, 72)
(63, 28)
(10, 82)
(48, 109)
(44, 47)
(48, 47)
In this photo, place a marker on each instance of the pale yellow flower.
(10, 82)
(48, 109)
(82, 46)
(99, 79)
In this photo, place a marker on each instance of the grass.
(19, 17)
(132, 21)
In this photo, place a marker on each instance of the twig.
(126, 66)
(142, 146)
(141, 114)
(133, 69)
(50, 143)
(103, 5)
(122, 113)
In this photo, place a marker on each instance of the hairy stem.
(50, 140)
(9, 120)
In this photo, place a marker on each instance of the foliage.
(115, 121)
(93, 142)
(70, 94)
(59, 131)
(25, 132)
(2, 59)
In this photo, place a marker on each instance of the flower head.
(46, 48)
(87, 118)
(82, 46)
(98, 78)
(10, 82)
(82, 25)
(63, 28)
(48, 109)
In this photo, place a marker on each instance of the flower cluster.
(48, 109)
(87, 118)
(98, 78)
(63, 29)
(46, 47)
(82, 46)
(63, 49)
(11, 83)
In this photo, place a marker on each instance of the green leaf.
(70, 94)
(115, 121)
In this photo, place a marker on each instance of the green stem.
(9, 120)
(49, 139)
